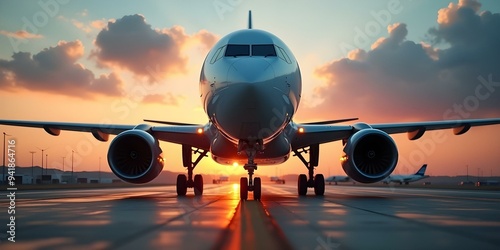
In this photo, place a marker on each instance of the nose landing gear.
(250, 184)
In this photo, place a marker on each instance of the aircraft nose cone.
(250, 70)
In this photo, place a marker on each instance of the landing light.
(301, 130)
(199, 131)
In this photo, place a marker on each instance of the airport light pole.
(42, 149)
(46, 164)
(32, 167)
(63, 163)
(3, 165)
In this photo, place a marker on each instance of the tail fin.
(249, 19)
(421, 171)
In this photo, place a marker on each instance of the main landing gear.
(183, 182)
(250, 184)
(317, 182)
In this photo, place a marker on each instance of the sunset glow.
(381, 61)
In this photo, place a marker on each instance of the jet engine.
(135, 156)
(370, 156)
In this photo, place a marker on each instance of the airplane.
(338, 178)
(250, 88)
(277, 180)
(406, 179)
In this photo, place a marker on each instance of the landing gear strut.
(183, 182)
(250, 184)
(317, 182)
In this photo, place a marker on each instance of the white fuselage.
(250, 87)
(404, 178)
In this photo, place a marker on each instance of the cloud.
(20, 34)
(132, 44)
(127, 43)
(406, 80)
(167, 99)
(450, 14)
(56, 70)
(205, 38)
(86, 26)
(98, 24)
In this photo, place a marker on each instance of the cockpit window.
(237, 50)
(282, 54)
(218, 54)
(263, 50)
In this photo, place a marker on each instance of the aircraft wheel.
(181, 185)
(302, 184)
(198, 184)
(319, 185)
(256, 188)
(243, 188)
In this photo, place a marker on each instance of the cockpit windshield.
(263, 50)
(237, 50)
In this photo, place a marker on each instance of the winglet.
(249, 19)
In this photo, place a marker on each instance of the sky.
(382, 61)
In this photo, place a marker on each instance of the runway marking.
(252, 228)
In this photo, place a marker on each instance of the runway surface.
(347, 217)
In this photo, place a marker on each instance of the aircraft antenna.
(249, 19)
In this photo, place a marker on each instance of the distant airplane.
(250, 88)
(406, 179)
(338, 178)
(277, 180)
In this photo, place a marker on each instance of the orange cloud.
(131, 43)
(98, 24)
(166, 99)
(86, 27)
(56, 70)
(20, 34)
(450, 14)
(400, 79)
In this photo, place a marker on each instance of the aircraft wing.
(180, 134)
(318, 134)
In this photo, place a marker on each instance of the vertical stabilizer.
(249, 19)
(421, 171)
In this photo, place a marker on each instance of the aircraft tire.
(256, 188)
(181, 185)
(319, 185)
(198, 184)
(243, 188)
(302, 184)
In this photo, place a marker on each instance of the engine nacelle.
(135, 156)
(370, 156)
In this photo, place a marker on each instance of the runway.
(347, 217)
